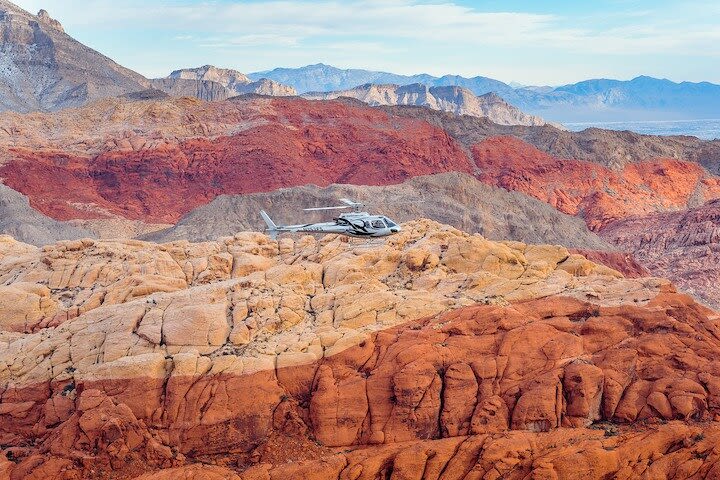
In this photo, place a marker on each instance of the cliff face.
(457, 100)
(436, 351)
(42, 68)
(594, 192)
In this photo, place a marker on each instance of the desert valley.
(549, 310)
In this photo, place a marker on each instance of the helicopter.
(356, 224)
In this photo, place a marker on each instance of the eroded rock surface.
(596, 193)
(435, 351)
(682, 246)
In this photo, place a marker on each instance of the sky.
(529, 42)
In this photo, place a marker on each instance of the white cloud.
(285, 23)
(378, 32)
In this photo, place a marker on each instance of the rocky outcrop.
(594, 192)
(457, 199)
(624, 263)
(183, 87)
(457, 100)
(132, 269)
(674, 451)
(266, 87)
(45, 18)
(42, 68)
(211, 83)
(683, 246)
(436, 351)
(186, 159)
(25, 224)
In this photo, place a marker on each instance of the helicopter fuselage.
(358, 225)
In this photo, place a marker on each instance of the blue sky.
(532, 42)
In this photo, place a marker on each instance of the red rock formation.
(538, 366)
(597, 193)
(156, 160)
(297, 143)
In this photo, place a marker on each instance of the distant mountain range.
(642, 98)
(326, 78)
(43, 68)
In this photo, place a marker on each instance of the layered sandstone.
(136, 165)
(683, 246)
(673, 451)
(132, 357)
(155, 160)
(446, 353)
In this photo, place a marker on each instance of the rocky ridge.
(152, 161)
(142, 357)
(43, 68)
(457, 100)
(201, 150)
(109, 163)
(613, 149)
(594, 192)
(453, 198)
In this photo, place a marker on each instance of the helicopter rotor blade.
(325, 208)
(350, 203)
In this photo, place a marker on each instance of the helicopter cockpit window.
(390, 223)
(378, 224)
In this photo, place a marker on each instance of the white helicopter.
(355, 224)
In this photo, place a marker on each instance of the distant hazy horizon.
(706, 129)
(533, 43)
